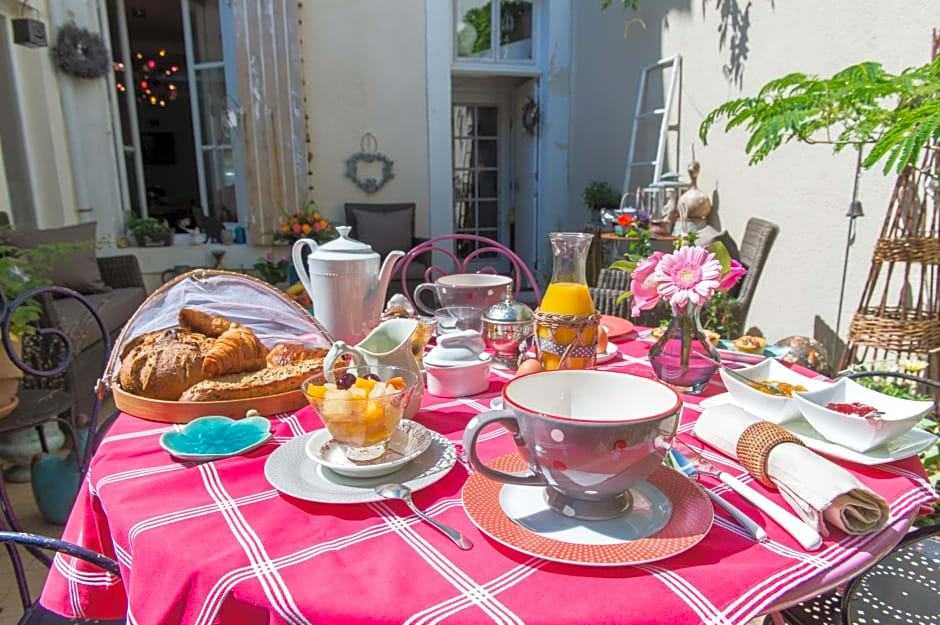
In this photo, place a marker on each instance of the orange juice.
(566, 298)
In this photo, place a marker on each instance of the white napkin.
(817, 490)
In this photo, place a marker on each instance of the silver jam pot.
(508, 327)
(508, 340)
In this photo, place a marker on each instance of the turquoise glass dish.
(210, 438)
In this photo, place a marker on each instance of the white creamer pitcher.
(389, 344)
(346, 283)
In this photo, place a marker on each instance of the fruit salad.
(359, 411)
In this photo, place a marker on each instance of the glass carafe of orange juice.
(566, 322)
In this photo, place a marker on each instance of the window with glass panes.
(476, 172)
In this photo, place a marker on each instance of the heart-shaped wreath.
(369, 185)
(81, 53)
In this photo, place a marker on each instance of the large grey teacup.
(475, 290)
(588, 436)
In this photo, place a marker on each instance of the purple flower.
(643, 217)
(269, 255)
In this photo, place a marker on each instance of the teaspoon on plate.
(400, 491)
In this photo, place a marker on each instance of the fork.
(808, 537)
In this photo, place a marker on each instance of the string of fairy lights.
(153, 79)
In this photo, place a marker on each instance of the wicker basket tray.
(186, 411)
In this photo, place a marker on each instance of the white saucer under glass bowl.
(289, 470)
(409, 441)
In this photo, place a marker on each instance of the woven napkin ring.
(755, 444)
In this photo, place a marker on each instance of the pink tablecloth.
(215, 543)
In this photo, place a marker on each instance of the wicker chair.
(388, 227)
(759, 237)
(33, 612)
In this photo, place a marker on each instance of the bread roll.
(286, 353)
(165, 365)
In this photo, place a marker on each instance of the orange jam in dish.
(785, 387)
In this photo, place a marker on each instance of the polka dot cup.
(587, 436)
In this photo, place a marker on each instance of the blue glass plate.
(209, 438)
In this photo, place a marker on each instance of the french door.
(481, 158)
(208, 79)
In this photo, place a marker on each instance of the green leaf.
(623, 296)
(721, 253)
(624, 265)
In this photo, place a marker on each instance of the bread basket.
(255, 304)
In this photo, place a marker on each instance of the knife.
(685, 465)
(808, 537)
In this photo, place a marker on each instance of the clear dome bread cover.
(266, 311)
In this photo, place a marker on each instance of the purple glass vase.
(683, 357)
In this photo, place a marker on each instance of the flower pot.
(10, 374)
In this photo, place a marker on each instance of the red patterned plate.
(691, 518)
(616, 327)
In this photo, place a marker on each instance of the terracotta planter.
(10, 374)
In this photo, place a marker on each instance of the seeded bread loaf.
(262, 383)
(165, 364)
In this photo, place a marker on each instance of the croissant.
(203, 323)
(236, 350)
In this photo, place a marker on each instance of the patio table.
(215, 543)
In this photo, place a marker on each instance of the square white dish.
(853, 431)
(771, 408)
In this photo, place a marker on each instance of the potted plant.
(306, 223)
(150, 231)
(272, 271)
(599, 195)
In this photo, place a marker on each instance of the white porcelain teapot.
(345, 282)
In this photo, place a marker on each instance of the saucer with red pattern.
(670, 514)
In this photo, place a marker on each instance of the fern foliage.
(895, 115)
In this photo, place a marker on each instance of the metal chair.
(38, 407)
(33, 612)
(759, 237)
(903, 587)
(484, 248)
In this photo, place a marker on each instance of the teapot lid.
(343, 244)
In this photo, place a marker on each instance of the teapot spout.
(385, 275)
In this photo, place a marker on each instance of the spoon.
(400, 491)
(771, 388)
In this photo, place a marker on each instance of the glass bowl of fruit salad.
(362, 409)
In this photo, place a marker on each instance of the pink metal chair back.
(520, 270)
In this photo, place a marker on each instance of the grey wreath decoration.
(81, 53)
(369, 185)
(530, 117)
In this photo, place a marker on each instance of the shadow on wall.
(733, 35)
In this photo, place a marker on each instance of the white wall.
(364, 67)
(36, 84)
(804, 189)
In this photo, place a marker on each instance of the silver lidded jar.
(507, 329)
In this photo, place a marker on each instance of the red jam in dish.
(855, 408)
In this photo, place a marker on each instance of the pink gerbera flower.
(690, 274)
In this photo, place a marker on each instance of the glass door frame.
(502, 101)
(227, 64)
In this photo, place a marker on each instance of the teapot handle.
(299, 266)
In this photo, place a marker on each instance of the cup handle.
(475, 426)
(424, 286)
(338, 349)
(297, 256)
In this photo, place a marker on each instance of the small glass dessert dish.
(363, 408)
(458, 318)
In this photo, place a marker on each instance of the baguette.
(262, 383)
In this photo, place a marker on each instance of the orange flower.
(625, 220)
(285, 228)
(306, 228)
